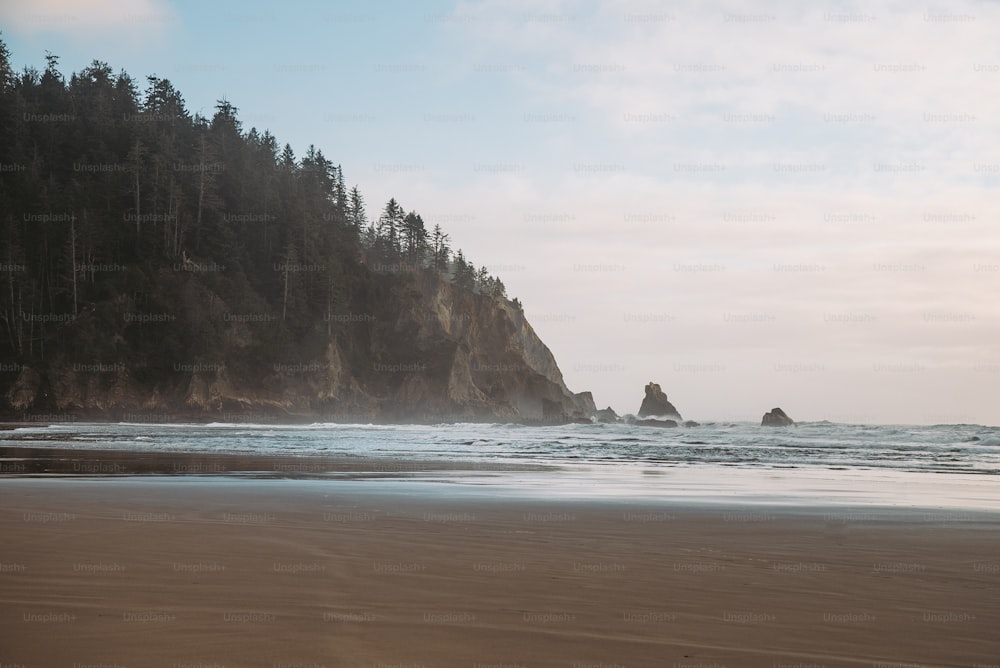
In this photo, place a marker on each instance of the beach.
(202, 571)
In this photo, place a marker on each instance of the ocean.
(939, 466)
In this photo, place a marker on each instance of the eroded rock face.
(776, 418)
(426, 351)
(656, 403)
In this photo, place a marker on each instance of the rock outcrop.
(656, 423)
(776, 418)
(655, 403)
(607, 415)
(417, 349)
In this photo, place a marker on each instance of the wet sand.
(208, 571)
(21, 460)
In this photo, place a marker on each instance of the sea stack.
(656, 403)
(776, 418)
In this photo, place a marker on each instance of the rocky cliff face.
(413, 348)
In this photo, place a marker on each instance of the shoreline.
(250, 419)
(704, 484)
(699, 484)
(190, 570)
(410, 486)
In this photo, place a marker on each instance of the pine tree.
(340, 200)
(463, 272)
(356, 210)
(415, 238)
(6, 71)
(498, 289)
(440, 250)
(288, 161)
(389, 229)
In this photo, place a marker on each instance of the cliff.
(189, 268)
(410, 347)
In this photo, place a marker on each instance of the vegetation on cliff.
(152, 258)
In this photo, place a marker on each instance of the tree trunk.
(284, 301)
(201, 194)
(138, 212)
(72, 242)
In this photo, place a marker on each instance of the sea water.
(945, 466)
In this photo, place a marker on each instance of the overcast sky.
(754, 205)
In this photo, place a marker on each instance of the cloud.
(807, 190)
(130, 21)
(910, 78)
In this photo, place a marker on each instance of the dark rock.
(656, 423)
(691, 423)
(655, 403)
(776, 418)
(606, 415)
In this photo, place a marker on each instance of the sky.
(751, 204)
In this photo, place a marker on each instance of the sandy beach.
(205, 571)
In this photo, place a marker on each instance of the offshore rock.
(607, 415)
(655, 403)
(656, 423)
(776, 418)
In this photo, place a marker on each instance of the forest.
(119, 207)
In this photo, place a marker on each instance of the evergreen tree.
(356, 210)
(440, 250)
(340, 201)
(415, 237)
(463, 272)
(389, 229)
(498, 290)
(6, 71)
(288, 159)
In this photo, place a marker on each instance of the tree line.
(106, 182)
